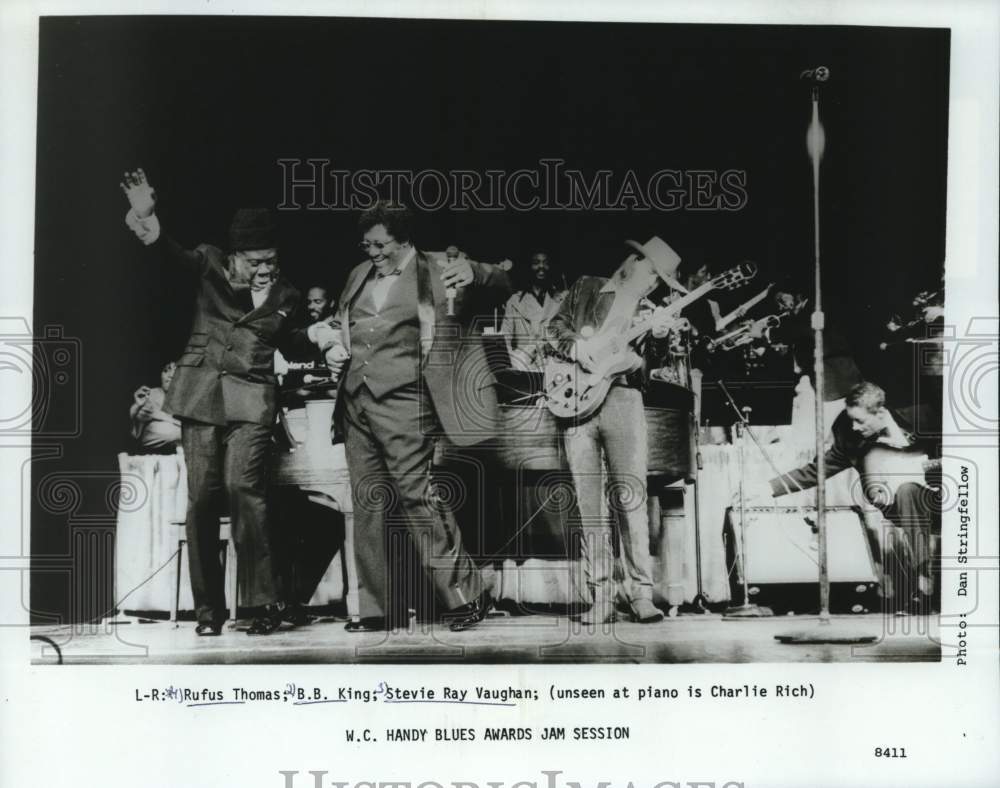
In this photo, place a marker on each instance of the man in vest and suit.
(225, 394)
(409, 369)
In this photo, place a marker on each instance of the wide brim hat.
(664, 259)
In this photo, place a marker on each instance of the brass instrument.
(746, 333)
(914, 330)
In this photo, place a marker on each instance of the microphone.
(818, 74)
(451, 254)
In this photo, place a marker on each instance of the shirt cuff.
(147, 230)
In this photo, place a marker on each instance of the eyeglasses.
(364, 246)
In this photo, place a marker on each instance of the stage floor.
(500, 639)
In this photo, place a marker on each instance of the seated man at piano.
(895, 450)
(593, 308)
(155, 430)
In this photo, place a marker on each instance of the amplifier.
(782, 559)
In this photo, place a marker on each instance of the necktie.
(381, 275)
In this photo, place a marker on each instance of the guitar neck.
(675, 306)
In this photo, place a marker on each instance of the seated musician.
(618, 428)
(527, 314)
(155, 430)
(865, 425)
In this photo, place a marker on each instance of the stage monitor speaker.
(782, 559)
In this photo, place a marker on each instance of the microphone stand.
(824, 633)
(747, 609)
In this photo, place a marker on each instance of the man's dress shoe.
(268, 622)
(366, 625)
(645, 612)
(296, 615)
(208, 629)
(468, 616)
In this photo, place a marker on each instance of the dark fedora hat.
(252, 228)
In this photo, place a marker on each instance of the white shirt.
(259, 296)
(383, 284)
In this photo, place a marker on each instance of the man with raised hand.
(225, 394)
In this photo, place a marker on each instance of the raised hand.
(663, 321)
(141, 195)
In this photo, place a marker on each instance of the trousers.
(227, 465)
(619, 430)
(915, 516)
(389, 458)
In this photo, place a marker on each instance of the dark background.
(208, 105)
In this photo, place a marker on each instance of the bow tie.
(383, 275)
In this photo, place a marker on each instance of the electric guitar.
(884, 469)
(573, 392)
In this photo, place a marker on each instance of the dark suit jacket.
(226, 372)
(849, 448)
(452, 360)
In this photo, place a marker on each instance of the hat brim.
(668, 279)
(637, 246)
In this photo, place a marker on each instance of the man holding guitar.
(893, 452)
(594, 384)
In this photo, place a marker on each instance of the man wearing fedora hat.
(618, 428)
(224, 393)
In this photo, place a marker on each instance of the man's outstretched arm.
(142, 220)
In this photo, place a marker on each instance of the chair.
(229, 564)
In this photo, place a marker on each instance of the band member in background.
(841, 371)
(155, 430)
(527, 314)
(224, 393)
(306, 380)
(865, 424)
(317, 304)
(408, 370)
(617, 429)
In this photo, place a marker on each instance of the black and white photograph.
(443, 356)
(580, 426)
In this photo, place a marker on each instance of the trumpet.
(745, 333)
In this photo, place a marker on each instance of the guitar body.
(574, 393)
(885, 469)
